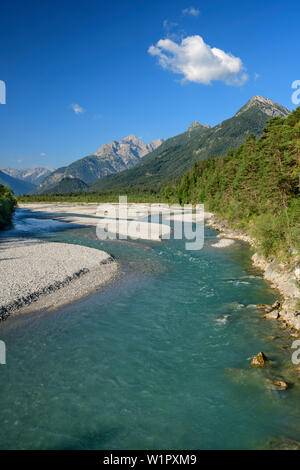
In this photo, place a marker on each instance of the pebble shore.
(36, 274)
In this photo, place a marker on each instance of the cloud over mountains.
(198, 62)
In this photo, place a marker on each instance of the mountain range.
(178, 154)
(130, 163)
(111, 158)
(30, 175)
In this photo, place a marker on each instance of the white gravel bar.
(49, 274)
(130, 210)
(99, 215)
(223, 243)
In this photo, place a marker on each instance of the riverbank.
(38, 275)
(283, 276)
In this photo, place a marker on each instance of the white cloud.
(256, 76)
(191, 11)
(77, 108)
(43, 154)
(198, 62)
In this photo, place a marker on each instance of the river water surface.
(159, 359)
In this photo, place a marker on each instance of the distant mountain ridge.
(178, 154)
(31, 175)
(111, 158)
(18, 186)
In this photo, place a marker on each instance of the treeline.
(7, 205)
(255, 187)
(133, 195)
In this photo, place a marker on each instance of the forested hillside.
(68, 185)
(7, 206)
(255, 187)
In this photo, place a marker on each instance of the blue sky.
(95, 54)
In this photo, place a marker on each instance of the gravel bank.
(223, 243)
(131, 221)
(36, 274)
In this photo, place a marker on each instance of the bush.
(270, 232)
(7, 206)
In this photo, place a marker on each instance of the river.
(159, 359)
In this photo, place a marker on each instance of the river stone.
(271, 338)
(276, 305)
(268, 310)
(263, 306)
(273, 315)
(280, 384)
(260, 360)
(295, 335)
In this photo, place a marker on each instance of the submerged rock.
(260, 360)
(277, 384)
(264, 306)
(280, 384)
(282, 443)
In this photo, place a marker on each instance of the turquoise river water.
(158, 359)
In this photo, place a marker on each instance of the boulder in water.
(260, 360)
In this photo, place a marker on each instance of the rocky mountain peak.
(128, 145)
(267, 106)
(196, 124)
(156, 143)
(131, 138)
(109, 159)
